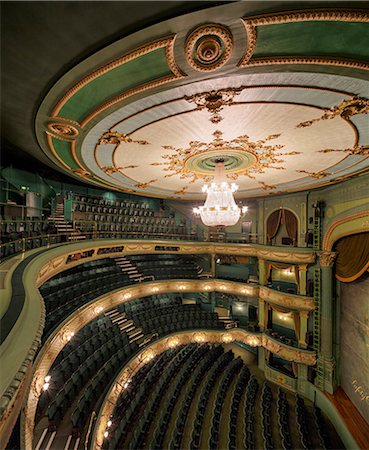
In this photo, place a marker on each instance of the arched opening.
(282, 228)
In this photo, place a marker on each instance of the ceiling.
(144, 100)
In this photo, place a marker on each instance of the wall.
(354, 353)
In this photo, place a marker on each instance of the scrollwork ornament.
(208, 47)
(62, 130)
(326, 258)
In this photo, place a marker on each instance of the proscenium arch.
(345, 226)
(94, 308)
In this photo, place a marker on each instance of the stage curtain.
(273, 223)
(290, 222)
(353, 257)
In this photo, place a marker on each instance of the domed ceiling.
(282, 98)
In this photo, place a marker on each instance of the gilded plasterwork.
(251, 23)
(345, 109)
(362, 150)
(214, 101)
(112, 137)
(110, 170)
(266, 156)
(288, 300)
(208, 47)
(326, 258)
(63, 131)
(316, 175)
(167, 43)
(145, 185)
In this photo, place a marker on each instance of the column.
(304, 315)
(261, 314)
(262, 272)
(302, 279)
(213, 266)
(326, 318)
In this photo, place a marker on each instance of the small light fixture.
(106, 434)
(70, 335)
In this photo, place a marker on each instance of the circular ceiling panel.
(153, 120)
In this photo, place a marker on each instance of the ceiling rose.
(209, 47)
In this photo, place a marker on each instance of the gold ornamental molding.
(342, 227)
(62, 128)
(326, 258)
(208, 47)
(69, 131)
(131, 247)
(251, 23)
(59, 258)
(125, 376)
(86, 313)
(167, 43)
(299, 302)
(346, 109)
(290, 354)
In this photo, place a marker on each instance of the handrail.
(21, 245)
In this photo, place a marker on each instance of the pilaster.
(304, 316)
(262, 272)
(326, 320)
(302, 278)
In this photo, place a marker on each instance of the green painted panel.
(141, 70)
(62, 148)
(315, 38)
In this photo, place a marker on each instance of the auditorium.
(184, 220)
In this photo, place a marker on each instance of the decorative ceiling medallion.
(214, 101)
(208, 47)
(345, 109)
(235, 161)
(62, 130)
(259, 156)
(250, 24)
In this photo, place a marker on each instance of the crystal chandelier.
(220, 207)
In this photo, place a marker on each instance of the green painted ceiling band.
(141, 70)
(315, 38)
(62, 148)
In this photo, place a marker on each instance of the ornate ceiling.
(282, 98)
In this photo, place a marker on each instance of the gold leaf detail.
(345, 109)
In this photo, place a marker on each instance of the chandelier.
(220, 207)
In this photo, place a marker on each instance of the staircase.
(228, 323)
(130, 268)
(64, 227)
(125, 325)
